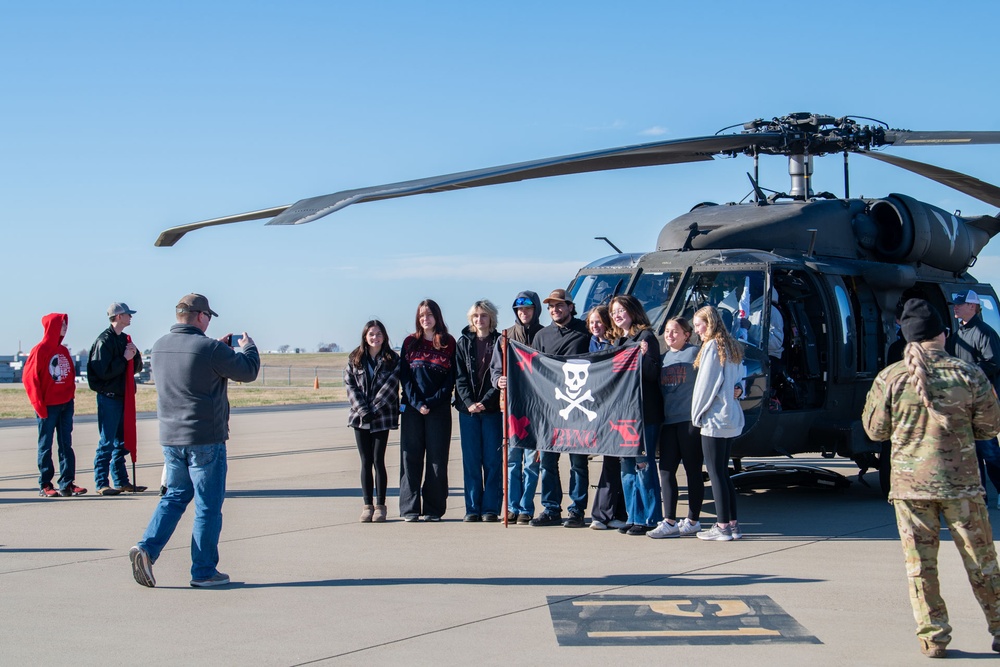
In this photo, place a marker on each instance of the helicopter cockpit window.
(594, 289)
(654, 291)
(734, 293)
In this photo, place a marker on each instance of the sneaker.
(624, 528)
(664, 529)
(615, 524)
(716, 533)
(734, 527)
(410, 518)
(574, 521)
(75, 490)
(996, 643)
(217, 579)
(547, 519)
(523, 519)
(932, 650)
(688, 527)
(128, 487)
(48, 492)
(108, 491)
(490, 517)
(432, 517)
(638, 529)
(142, 568)
(512, 517)
(598, 525)
(470, 518)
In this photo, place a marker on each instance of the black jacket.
(977, 342)
(566, 341)
(467, 391)
(106, 366)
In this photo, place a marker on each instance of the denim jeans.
(424, 444)
(642, 486)
(111, 446)
(988, 453)
(482, 461)
(522, 480)
(195, 472)
(579, 482)
(60, 423)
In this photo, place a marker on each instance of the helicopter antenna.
(758, 194)
(608, 241)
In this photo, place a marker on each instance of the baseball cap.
(195, 303)
(557, 295)
(119, 308)
(965, 297)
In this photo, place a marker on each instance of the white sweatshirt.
(714, 408)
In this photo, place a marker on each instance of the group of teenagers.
(690, 405)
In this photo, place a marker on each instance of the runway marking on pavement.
(615, 620)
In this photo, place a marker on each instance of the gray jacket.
(191, 372)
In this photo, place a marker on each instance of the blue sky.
(122, 119)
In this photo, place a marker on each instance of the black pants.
(609, 499)
(424, 441)
(371, 447)
(716, 452)
(681, 443)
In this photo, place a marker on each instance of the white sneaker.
(664, 529)
(688, 527)
(598, 525)
(716, 533)
(615, 524)
(734, 527)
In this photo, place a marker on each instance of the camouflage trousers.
(919, 523)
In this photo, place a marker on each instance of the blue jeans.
(522, 480)
(482, 461)
(60, 423)
(198, 472)
(642, 487)
(579, 481)
(988, 453)
(111, 446)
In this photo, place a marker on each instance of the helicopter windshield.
(654, 291)
(736, 294)
(595, 289)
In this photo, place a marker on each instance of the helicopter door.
(799, 382)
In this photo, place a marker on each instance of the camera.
(234, 340)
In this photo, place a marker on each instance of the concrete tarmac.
(818, 578)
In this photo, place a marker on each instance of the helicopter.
(810, 283)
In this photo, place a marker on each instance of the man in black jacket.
(106, 371)
(977, 342)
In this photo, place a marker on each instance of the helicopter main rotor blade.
(981, 190)
(640, 155)
(947, 138)
(171, 236)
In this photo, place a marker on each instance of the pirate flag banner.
(585, 404)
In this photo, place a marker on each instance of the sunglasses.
(522, 301)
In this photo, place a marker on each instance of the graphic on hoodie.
(59, 367)
(48, 375)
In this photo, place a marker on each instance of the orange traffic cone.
(316, 383)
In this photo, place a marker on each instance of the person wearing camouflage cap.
(933, 407)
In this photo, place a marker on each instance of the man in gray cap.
(107, 367)
(192, 405)
(977, 342)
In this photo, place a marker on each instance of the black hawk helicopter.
(832, 270)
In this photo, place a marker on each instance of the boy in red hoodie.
(50, 381)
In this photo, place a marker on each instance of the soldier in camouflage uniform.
(933, 407)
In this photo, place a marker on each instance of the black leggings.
(371, 447)
(716, 451)
(681, 442)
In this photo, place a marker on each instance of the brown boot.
(933, 650)
(379, 514)
(366, 514)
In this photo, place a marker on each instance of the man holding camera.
(192, 372)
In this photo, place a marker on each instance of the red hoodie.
(48, 374)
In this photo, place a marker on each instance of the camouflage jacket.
(930, 460)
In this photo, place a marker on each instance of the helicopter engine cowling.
(912, 231)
